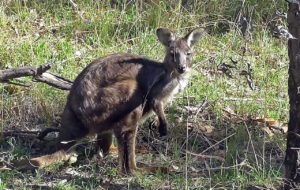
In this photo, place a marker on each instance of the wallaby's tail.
(42, 161)
(64, 152)
(69, 134)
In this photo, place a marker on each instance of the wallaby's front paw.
(163, 129)
(153, 124)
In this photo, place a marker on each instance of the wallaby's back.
(107, 90)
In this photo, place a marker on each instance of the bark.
(292, 158)
(39, 74)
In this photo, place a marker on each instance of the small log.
(54, 81)
(39, 75)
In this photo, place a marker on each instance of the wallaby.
(114, 94)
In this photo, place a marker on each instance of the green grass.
(34, 32)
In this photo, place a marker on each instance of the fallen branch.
(54, 81)
(36, 134)
(18, 133)
(39, 75)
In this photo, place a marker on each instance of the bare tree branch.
(39, 75)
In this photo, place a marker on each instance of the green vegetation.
(36, 32)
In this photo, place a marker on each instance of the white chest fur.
(182, 81)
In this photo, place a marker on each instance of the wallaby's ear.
(193, 37)
(165, 36)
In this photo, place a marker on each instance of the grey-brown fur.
(114, 93)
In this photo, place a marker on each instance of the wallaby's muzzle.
(181, 69)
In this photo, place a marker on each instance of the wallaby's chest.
(182, 83)
(172, 87)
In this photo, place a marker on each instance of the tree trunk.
(292, 158)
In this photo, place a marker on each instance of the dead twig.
(17, 84)
(194, 109)
(249, 76)
(242, 99)
(204, 157)
(217, 143)
(202, 106)
(243, 163)
(226, 69)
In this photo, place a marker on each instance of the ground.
(224, 133)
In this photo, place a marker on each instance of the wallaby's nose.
(181, 69)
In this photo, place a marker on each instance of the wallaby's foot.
(104, 142)
(129, 171)
(161, 127)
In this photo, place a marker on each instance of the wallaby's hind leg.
(126, 149)
(131, 138)
(72, 130)
(104, 142)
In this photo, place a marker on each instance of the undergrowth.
(71, 35)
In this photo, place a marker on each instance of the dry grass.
(218, 148)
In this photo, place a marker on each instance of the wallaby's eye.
(188, 53)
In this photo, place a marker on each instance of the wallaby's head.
(178, 50)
